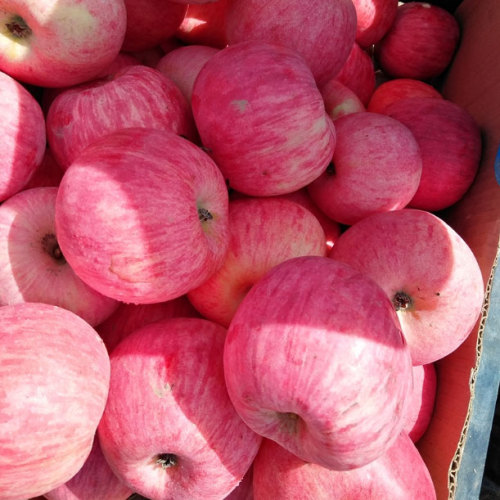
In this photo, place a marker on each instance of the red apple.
(340, 100)
(376, 167)
(95, 480)
(23, 136)
(155, 218)
(397, 88)
(427, 270)
(400, 473)
(321, 32)
(374, 18)
(54, 375)
(450, 143)
(57, 43)
(169, 429)
(268, 135)
(33, 268)
(262, 233)
(48, 173)
(420, 43)
(144, 97)
(315, 360)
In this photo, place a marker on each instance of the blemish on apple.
(240, 104)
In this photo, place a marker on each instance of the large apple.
(262, 233)
(54, 379)
(57, 43)
(376, 166)
(400, 473)
(426, 269)
(32, 266)
(321, 32)
(141, 216)
(266, 125)
(315, 360)
(22, 129)
(136, 96)
(169, 429)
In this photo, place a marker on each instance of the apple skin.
(151, 22)
(47, 174)
(130, 317)
(145, 97)
(66, 42)
(376, 166)
(374, 18)
(54, 373)
(397, 88)
(262, 233)
(23, 136)
(33, 269)
(167, 397)
(95, 480)
(426, 269)
(340, 100)
(420, 43)
(302, 26)
(244, 490)
(400, 473)
(271, 135)
(450, 143)
(315, 360)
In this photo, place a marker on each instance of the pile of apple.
(223, 269)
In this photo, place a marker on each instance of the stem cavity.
(18, 28)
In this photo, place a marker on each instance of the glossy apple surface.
(374, 18)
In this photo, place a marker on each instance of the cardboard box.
(456, 443)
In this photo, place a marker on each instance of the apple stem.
(204, 215)
(401, 301)
(18, 27)
(166, 460)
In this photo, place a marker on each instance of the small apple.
(340, 100)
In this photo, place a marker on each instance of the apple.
(33, 268)
(397, 88)
(269, 135)
(144, 97)
(151, 22)
(48, 173)
(315, 360)
(450, 143)
(57, 43)
(95, 480)
(321, 32)
(426, 269)
(400, 473)
(169, 429)
(420, 43)
(374, 18)
(244, 490)
(340, 100)
(154, 223)
(23, 136)
(54, 375)
(262, 233)
(376, 166)
(422, 400)
(130, 317)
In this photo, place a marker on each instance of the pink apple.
(450, 143)
(151, 22)
(144, 97)
(262, 233)
(48, 173)
(422, 400)
(154, 223)
(427, 270)
(54, 375)
(95, 480)
(399, 473)
(358, 73)
(321, 32)
(129, 317)
(315, 360)
(340, 100)
(268, 135)
(420, 43)
(22, 129)
(375, 17)
(32, 266)
(397, 88)
(169, 429)
(376, 167)
(57, 43)
(183, 64)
